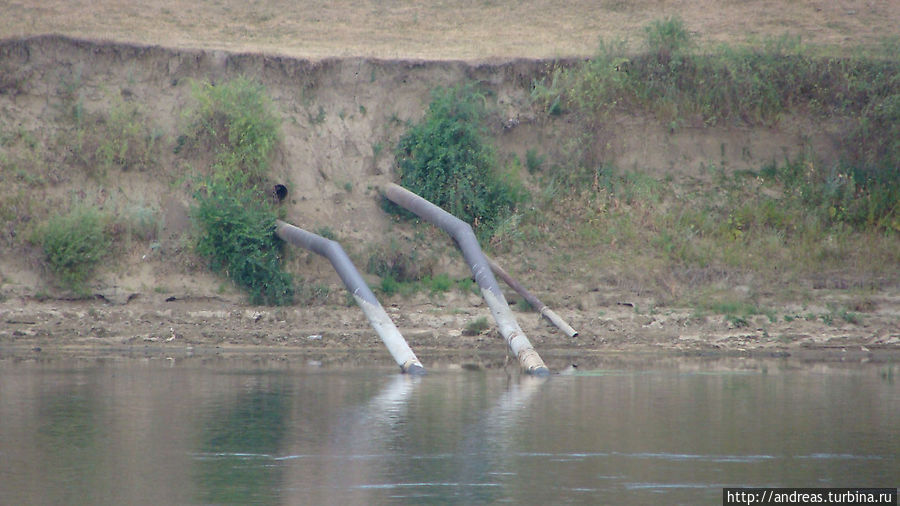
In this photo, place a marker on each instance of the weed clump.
(236, 121)
(445, 159)
(73, 244)
(117, 138)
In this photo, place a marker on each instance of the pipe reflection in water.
(358, 442)
(489, 443)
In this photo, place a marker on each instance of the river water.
(243, 431)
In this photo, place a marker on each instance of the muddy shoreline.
(207, 329)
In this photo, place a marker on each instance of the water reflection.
(135, 432)
(69, 434)
(240, 436)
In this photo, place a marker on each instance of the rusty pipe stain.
(535, 303)
(465, 239)
(363, 296)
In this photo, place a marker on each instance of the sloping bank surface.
(65, 103)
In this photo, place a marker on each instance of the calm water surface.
(138, 431)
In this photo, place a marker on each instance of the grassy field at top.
(469, 29)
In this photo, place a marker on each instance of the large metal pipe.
(465, 239)
(536, 303)
(354, 282)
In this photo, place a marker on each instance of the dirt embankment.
(341, 119)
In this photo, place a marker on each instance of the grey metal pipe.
(465, 239)
(536, 303)
(354, 282)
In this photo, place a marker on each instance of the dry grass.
(466, 29)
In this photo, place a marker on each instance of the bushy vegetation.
(238, 238)
(447, 159)
(125, 139)
(235, 217)
(73, 244)
(403, 264)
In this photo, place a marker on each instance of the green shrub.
(235, 119)
(389, 286)
(74, 243)
(119, 137)
(752, 85)
(237, 235)
(445, 159)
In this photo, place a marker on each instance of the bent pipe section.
(532, 300)
(465, 239)
(354, 282)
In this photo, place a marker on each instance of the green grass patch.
(237, 121)
(399, 262)
(677, 82)
(476, 326)
(767, 230)
(119, 137)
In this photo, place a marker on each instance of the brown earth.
(345, 78)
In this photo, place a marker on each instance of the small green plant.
(318, 118)
(389, 286)
(326, 232)
(533, 161)
(74, 244)
(315, 294)
(141, 222)
(522, 305)
(467, 285)
(737, 321)
(477, 326)
(850, 316)
(438, 283)
(124, 140)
